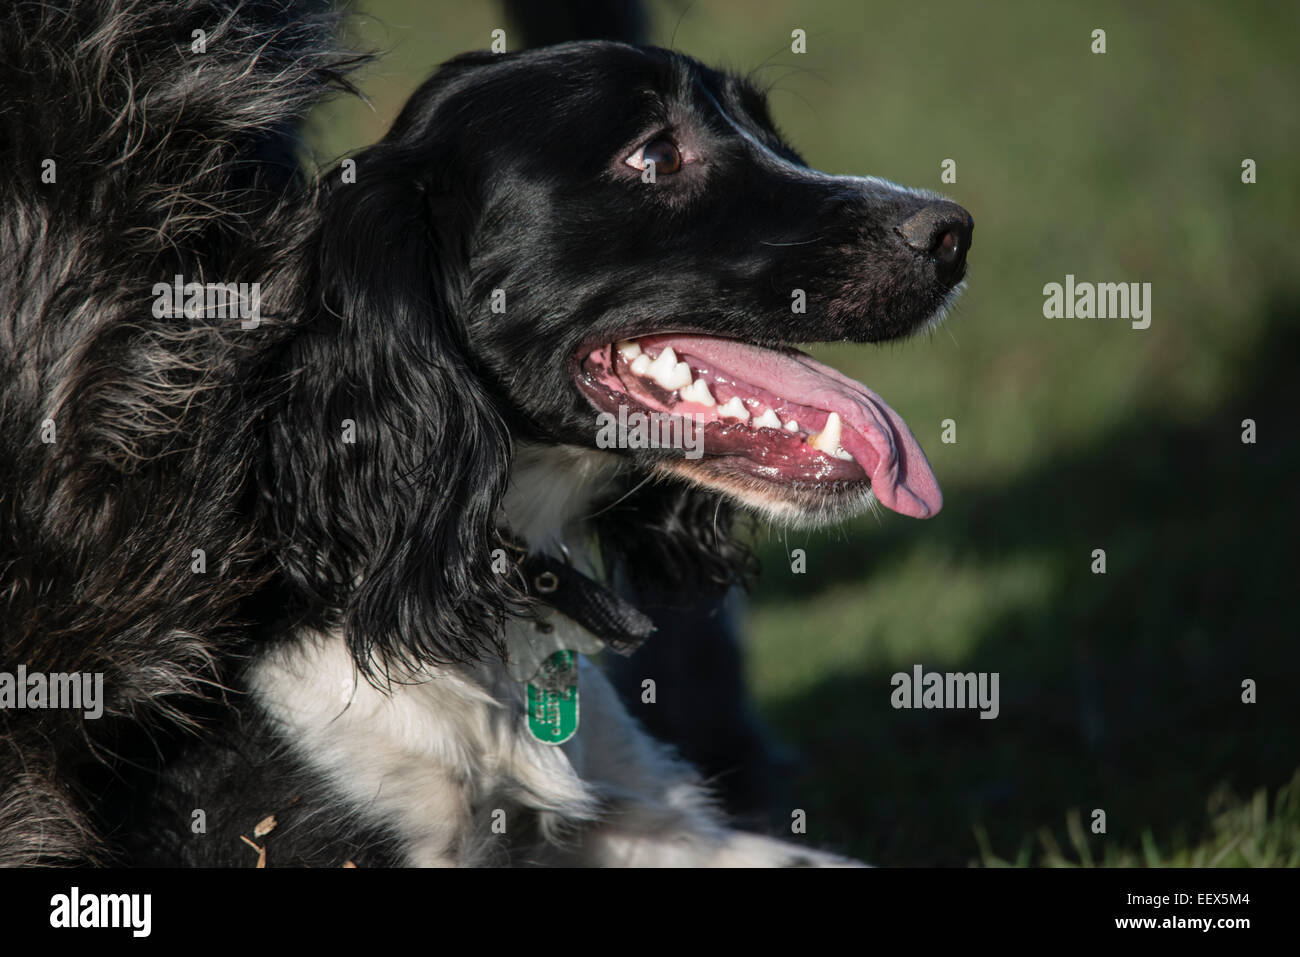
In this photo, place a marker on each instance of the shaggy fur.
(130, 440)
(166, 162)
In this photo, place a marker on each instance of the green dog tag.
(553, 699)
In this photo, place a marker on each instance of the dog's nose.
(942, 231)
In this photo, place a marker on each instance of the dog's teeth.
(641, 364)
(792, 426)
(733, 408)
(668, 372)
(698, 391)
(628, 349)
(841, 454)
(665, 360)
(828, 439)
(767, 420)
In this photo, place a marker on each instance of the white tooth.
(668, 372)
(679, 377)
(792, 426)
(698, 391)
(767, 420)
(841, 454)
(734, 409)
(641, 364)
(828, 439)
(629, 349)
(663, 363)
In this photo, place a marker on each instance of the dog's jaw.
(812, 507)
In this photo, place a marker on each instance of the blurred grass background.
(1121, 691)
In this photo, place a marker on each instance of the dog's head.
(588, 229)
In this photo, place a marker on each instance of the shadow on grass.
(1120, 692)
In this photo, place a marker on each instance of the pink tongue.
(874, 434)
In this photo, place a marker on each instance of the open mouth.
(772, 418)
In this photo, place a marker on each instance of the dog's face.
(591, 229)
(681, 292)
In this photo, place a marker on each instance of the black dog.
(359, 484)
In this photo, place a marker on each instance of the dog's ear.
(672, 542)
(388, 458)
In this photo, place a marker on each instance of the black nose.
(942, 231)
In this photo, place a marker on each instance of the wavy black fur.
(166, 162)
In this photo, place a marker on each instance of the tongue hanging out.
(790, 418)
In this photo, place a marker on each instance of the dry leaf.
(265, 826)
(261, 851)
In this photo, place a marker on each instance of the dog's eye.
(660, 151)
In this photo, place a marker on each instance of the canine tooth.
(641, 364)
(629, 349)
(767, 420)
(698, 391)
(733, 408)
(828, 439)
(792, 426)
(841, 454)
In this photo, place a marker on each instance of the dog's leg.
(431, 759)
(710, 719)
(658, 814)
(372, 747)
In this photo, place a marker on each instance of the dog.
(361, 535)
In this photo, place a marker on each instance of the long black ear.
(388, 458)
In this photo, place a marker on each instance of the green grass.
(1254, 833)
(1121, 691)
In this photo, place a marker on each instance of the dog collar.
(616, 622)
(582, 617)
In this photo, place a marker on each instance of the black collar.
(615, 621)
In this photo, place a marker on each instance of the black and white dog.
(351, 533)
